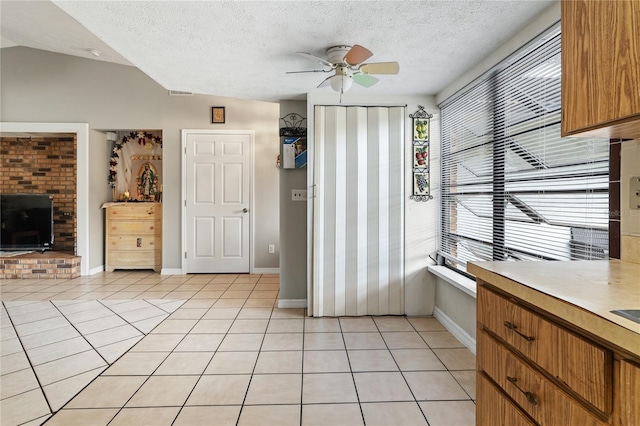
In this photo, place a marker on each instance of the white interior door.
(217, 201)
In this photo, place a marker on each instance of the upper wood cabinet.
(601, 68)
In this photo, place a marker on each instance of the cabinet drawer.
(135, 211)
(117, 227)
(496, 410)
(537, 396)
(139, 258)
(132, 242)
(584, 367)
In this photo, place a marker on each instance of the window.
(512, 188)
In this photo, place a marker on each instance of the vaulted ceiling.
(243, 49)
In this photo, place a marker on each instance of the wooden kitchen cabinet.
(133, 237)
(628, 395)
(601, 68)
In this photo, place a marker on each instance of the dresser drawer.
(140, 258)
(128, 211)
(132, 242)
(496, 410)
(141, 227)
(553, 348)
(537, 396)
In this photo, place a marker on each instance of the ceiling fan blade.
(325, 82)
(357, 54)
(365, 80)
(298, 72)
(381, 68)
(315, 58)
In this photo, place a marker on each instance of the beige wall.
(629, 212)
(39, 86)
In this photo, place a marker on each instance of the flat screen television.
(26, 222)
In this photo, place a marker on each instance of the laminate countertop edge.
(582, 293)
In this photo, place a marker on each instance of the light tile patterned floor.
(135, 348)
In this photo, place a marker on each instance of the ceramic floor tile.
(241, 342)
(220, 390)
(440, 339)
(50, 312)
(404, 340)
(112, 335)
(77, 306)
(175, 326)
(449, 413)
(321, 325)
(435, 385)
(107, 392)
(161, 391)
(381, 387)
(282, 342)
(364, 341)
(200, 343)
(184, 363)
(358, 325)
(426, 324)
(260, 415)
(58, 350)
(372, 360)
(14, 362)
(69, 366)
(230, 294)
(158, 343)
(328, 388)
(241, 287)
(61, 392)
(100, 324)
(142, 314)
(232, 363)
(395, 413)
(89, 315)
(288, 313)
(286, 326)
(208, 294)
(249, 326)
(17, 383)
(50, 336)
(158, 416)
(136, 364)
(41, 326)
(23, 408)
(198, 303)
(466, 379)
(83, 417)
(255, 313)
(212, 326)
(193, 313)
(393, 324)
(323, 341)
(147, 325)
(7, 333)
(326, 362)
(221, 313)
(279, 362)
(130, 305)
(37, 422)
(10, 346)
(263, 294)
(212, 415)
(457, 359)
(274, 389)
(331, 415)
(417, 360)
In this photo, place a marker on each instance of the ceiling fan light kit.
(346, 63)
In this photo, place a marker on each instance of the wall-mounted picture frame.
(420, 129)
(217, 115)
(421, 156)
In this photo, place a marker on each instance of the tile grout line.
(353, 377)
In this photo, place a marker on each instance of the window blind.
(512, 188)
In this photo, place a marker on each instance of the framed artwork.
(421, 184)
(420, 156)
(421, 181)
(420, 129)
(217, 115)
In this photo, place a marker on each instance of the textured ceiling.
(243, 48)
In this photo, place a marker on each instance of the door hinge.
(185, 203)
(185, 149)
(185, 254)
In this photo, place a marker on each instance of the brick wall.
(44, 165)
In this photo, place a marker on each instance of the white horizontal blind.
(512, 188)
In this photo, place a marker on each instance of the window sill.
(455, 279)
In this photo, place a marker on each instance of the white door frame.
(82, 177)
(183, 197)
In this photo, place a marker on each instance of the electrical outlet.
(298, 195)
(272, 248)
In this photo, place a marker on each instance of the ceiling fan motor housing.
(336, 54)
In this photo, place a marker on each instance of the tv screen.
(26, 221)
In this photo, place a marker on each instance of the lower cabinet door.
(492, 408)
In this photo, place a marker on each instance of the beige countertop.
(581, 292)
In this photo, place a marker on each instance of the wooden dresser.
(133, 237)
(549, 351)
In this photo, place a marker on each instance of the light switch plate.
(634, 193)
(298, 195)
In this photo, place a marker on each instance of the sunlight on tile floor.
(139, 348)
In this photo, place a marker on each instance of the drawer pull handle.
(530, 397)
(511, 326)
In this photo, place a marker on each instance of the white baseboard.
(169, 271)
(292, 303)
(265, 271)
(96, 270)
(455, 329)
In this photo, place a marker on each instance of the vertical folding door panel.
(358, 220)
(217, 202)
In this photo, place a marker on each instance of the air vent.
(179, 93)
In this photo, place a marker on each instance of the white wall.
(39, 86)
(421, 218)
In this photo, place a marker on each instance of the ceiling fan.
(346, 63)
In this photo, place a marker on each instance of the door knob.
(245, 210)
